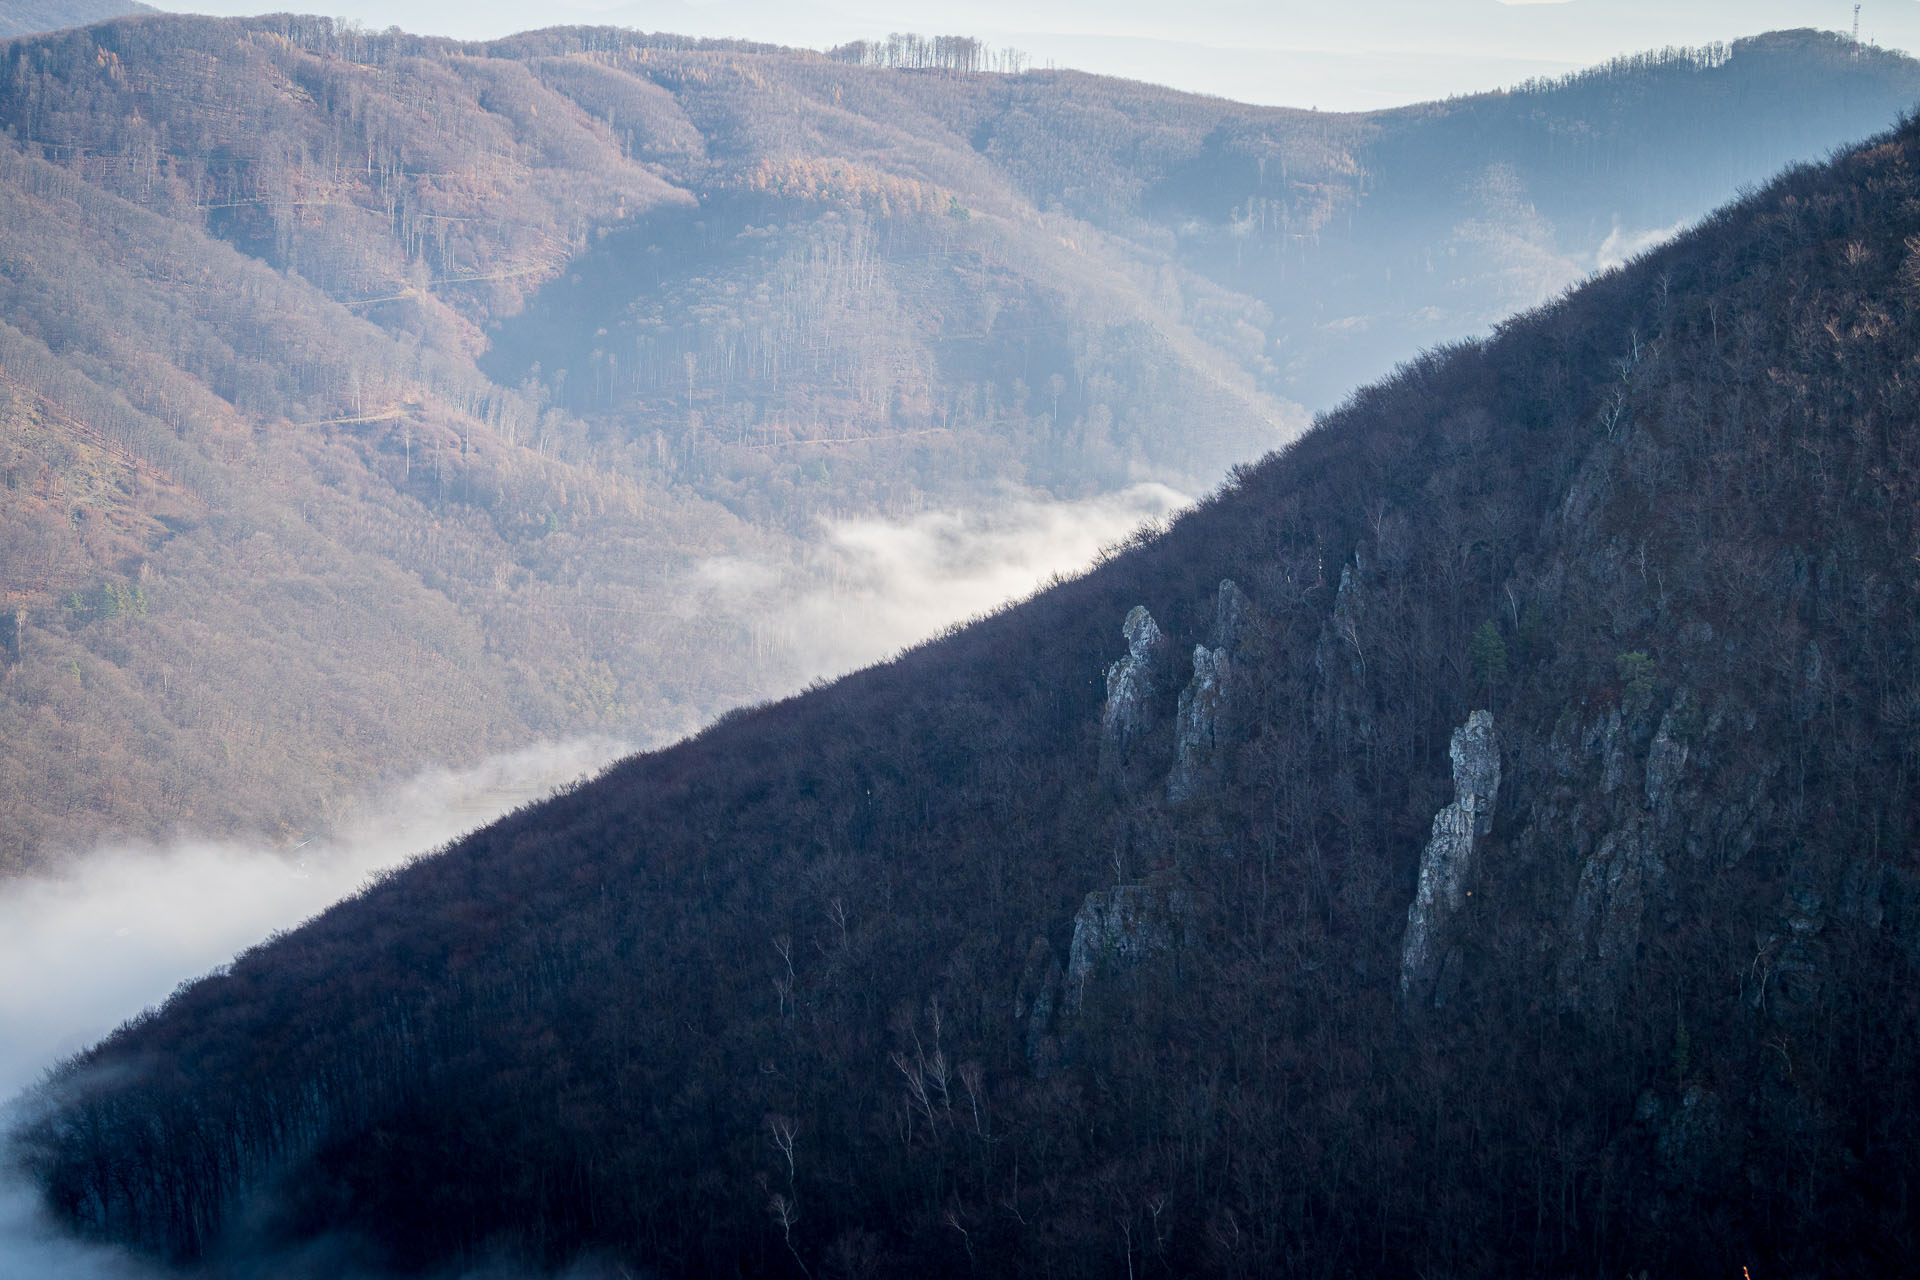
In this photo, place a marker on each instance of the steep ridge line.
(791, 994)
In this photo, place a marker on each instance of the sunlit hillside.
(374, 401)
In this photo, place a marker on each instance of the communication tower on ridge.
(1856, 31)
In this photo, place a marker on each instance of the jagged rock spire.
(1196, 726)
(1447, 865)
(1130, 686)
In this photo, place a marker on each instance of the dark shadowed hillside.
(1479, 840)
(374, 400)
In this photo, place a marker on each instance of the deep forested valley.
(1478, 840)
(373, 400)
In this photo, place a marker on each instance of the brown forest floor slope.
(371, 400)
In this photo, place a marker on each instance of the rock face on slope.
(1641, 809)
(1233, 615)
(1119, 928)
(1603, 927)
(1197, 724)
(1200, 727)
(1036, 1003)
(1449, 865)
(1130, 688)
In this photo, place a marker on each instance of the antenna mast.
(1856, 31)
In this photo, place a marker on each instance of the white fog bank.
(118, 929)
(115, 930)
(872, 587)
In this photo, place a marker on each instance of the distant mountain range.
(374, 400)
(29, 17)
(1479, 840)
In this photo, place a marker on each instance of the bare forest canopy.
(1481, 839)
(372, 400)
(908, 51)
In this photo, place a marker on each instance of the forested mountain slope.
(271, 529)
(372, 400)
(1479, 840)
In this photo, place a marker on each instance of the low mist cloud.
(872, 587)
(115, 930)
(29, 1246)
(118, 929)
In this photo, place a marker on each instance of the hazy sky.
(1336, 54)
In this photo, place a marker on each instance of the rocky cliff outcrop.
(1200, 723)
(1603, 927)
(1130, 688)
(1117, 929)
(1232, 615)
(1342, 704)
(1196, 726)
(1039, 996)
(1625, 831)
(1447, 866)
